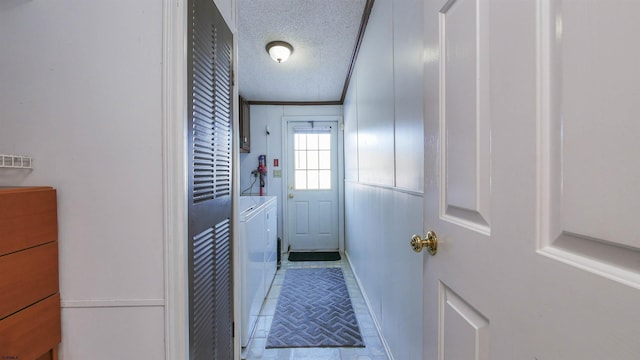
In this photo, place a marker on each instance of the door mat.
(314, 310)
(314, 256)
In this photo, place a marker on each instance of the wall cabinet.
(245, 125)
(258, 256)
(29, 294)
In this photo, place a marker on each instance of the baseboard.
(387, 350)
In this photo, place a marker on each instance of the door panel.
(302, 218)
(465, 152)
(461, 324)
(589, 159)
(209, 186)
(324, 219)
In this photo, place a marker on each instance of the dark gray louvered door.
(209, 158)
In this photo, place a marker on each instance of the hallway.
(373, 349)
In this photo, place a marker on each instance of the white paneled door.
(532, 174)
(312, 191)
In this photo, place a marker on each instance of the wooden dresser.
(29, 295)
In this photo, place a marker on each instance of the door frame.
(337, 119)
(174, 119)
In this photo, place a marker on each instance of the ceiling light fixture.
(279, 50)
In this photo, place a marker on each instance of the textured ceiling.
(323, 35)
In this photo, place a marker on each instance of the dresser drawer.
(28, 218)
(27, 277)
(31, 332)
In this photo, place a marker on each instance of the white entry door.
(532, 179)
(312, 191)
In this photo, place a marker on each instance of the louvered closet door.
(209, 159)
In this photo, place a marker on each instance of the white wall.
(271, 145)
(383, 115)
(81, 92)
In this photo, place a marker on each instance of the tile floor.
(373, 349)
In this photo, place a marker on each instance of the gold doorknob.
(290, 196)
(430, 242)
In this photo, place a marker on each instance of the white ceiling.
(323, 35)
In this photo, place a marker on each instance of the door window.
(312, 156)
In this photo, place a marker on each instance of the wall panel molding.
(386, 187)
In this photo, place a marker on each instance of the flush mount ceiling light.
(279, 50)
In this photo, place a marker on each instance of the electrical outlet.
(277, 173)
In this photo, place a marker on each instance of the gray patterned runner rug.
(314, 310)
